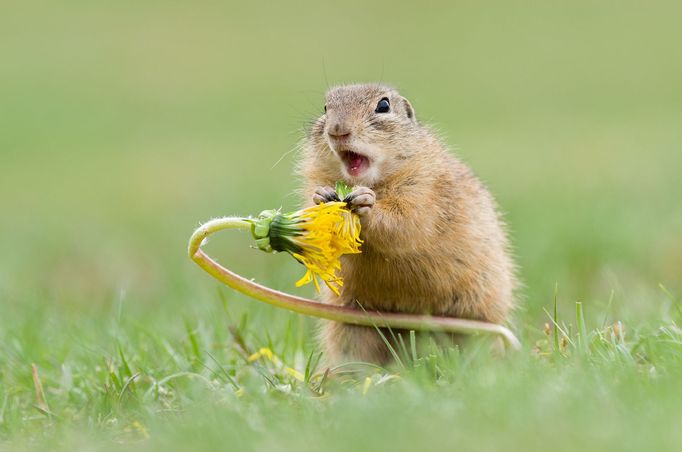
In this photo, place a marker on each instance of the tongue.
(355, 162)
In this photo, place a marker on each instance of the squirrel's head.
(367, 129)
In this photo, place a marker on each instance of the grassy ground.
(125, 124)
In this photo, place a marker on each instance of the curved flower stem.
(331, 312)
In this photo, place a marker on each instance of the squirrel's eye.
(383, 106)
(325, 109)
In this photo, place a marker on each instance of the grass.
(122, 126)
(609, 386)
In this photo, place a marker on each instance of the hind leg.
(343, 342)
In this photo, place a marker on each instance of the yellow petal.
(294, 373)
(327, 231)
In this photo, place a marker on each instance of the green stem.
(331, 312)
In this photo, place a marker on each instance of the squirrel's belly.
(406, 283)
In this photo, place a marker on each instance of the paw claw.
(362, 199)
(325, 194)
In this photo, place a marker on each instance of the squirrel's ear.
(409, 110)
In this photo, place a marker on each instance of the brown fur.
(433, 241)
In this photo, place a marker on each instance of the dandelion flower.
(316, 236)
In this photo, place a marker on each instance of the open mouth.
(355, 163)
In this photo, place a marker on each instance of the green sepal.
(264, 244)
(342, 189)
(272, 231)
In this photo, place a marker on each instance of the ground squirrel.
(434, 241)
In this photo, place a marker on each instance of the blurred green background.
(125, 124)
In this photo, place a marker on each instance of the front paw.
(325, 194)
(361, 199)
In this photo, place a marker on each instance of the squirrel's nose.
(338, 130)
